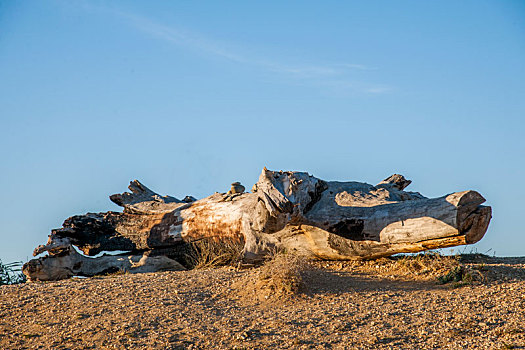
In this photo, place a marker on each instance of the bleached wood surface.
(286, 210)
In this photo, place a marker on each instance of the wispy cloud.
(378, 89)
(180, 37)
(312, 74)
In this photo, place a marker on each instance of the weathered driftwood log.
(290, 210)
(64, 262)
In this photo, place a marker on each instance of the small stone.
(236, 187)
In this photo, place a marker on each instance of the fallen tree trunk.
(286, 210)
(64, 262)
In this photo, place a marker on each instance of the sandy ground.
(343, 306)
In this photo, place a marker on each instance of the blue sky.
(190, 96)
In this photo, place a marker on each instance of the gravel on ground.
(343, 305)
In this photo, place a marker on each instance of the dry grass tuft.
(426, 266)
(279, 278)
(429, 265)
(207, 253)
(282, 274)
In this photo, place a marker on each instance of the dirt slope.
(346, 306)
